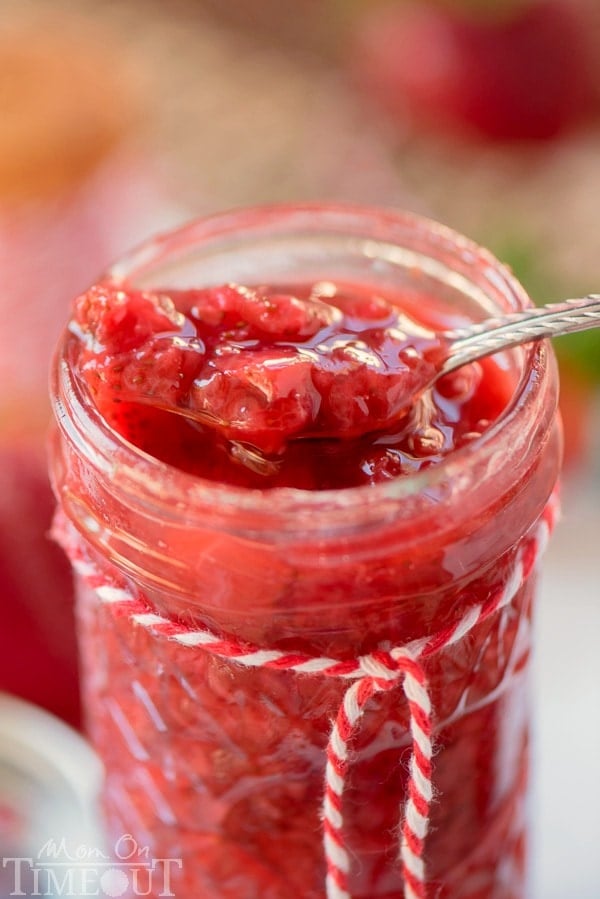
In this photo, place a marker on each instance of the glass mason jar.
(219, 765)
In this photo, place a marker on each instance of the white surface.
(49, 773)
(566, 761)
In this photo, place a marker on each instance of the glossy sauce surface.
(319, 387)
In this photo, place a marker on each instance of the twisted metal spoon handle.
(511, 330)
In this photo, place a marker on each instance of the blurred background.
(119, 118)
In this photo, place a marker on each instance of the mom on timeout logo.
(80, 871)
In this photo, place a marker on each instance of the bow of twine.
(370, 674)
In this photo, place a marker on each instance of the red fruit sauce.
(202, 436)
(320, 388)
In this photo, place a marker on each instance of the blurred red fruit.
(522, 75)
(576, 409)
(38, 655)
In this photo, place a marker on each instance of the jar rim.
(170, 492)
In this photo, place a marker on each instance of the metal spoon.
(506, 331)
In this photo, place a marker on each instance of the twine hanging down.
(370, 674)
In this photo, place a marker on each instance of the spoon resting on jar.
(264, 370)
(507, 331)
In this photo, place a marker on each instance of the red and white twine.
(370, 674)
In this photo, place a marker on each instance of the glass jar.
(221, 765)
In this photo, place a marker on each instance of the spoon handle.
(507, 331)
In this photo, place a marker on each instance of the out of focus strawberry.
(576, 404)
(517, 70)
(38, 655)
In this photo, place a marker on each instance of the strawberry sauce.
(322, 387)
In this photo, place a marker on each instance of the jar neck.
(128, 504)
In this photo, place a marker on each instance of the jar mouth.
(167, 491)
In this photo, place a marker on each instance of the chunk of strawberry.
(119, 321)
(260, 396)
(257, 312)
